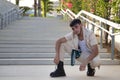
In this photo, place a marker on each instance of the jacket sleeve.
(93, 40)
(69, 36)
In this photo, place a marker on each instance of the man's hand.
(56, 60)
(82, 67)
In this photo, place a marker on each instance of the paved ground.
(41, 72)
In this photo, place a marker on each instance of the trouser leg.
(91, 64)
(94, 63)
(65, 48)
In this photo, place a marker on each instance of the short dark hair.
(74, 22)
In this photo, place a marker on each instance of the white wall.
(28, 3)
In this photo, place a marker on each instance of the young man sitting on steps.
(79, 38)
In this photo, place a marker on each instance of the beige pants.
(67, 48)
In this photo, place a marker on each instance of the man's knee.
(67, 47)
(95, 62)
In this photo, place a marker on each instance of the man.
(79, 38)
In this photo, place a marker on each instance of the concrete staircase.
(31, 41)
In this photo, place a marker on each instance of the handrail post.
(9, 18)
(112, 44)
(87, 24)
(5, 19)
(101, 33)
(93, 27)
(2, 22)
(65, 17)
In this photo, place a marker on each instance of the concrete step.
(34, 45)
(105, 55)
(31, 49)
(108, 61)
(47, 61)
(28, 41)
(27, 50)
(30, 45)
(40, 55)
(39, 44)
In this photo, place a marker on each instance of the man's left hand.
(82, 67)
(83, 64)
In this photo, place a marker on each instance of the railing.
(20, 13)
(9, 16)
(96, 21)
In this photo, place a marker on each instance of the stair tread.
(50, 59)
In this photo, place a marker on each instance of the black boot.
(90, 71)
(59, 72)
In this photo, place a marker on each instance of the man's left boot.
(90, 72)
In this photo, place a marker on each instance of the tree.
(49, 6)
(25, 9)
(39, 7)
(17, 2)
(35, 7)
(46, 7)
(116, 11)
(85, 5)
(76, 7)
(103, 9)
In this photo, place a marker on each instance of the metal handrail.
(101, 20)
(20, 12)
(9, 16)
(115, 25)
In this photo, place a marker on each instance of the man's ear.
(81, 24)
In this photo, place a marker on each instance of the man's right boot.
(59, 72)
(90, 72)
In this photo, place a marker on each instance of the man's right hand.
(56, 60)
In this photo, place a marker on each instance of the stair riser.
(28, 41)
(31, 50)
(49, 62)
(40, 55)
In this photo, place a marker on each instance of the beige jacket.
(88, 35)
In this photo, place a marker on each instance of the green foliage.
(76, 6)
(86, 5)
(116, 30)
(101, 8)
(31, 15)
(46, 6)
(116, 11)
(49, 6)
(58, 9)
(25, 9)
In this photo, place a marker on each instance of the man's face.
(77, 28)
